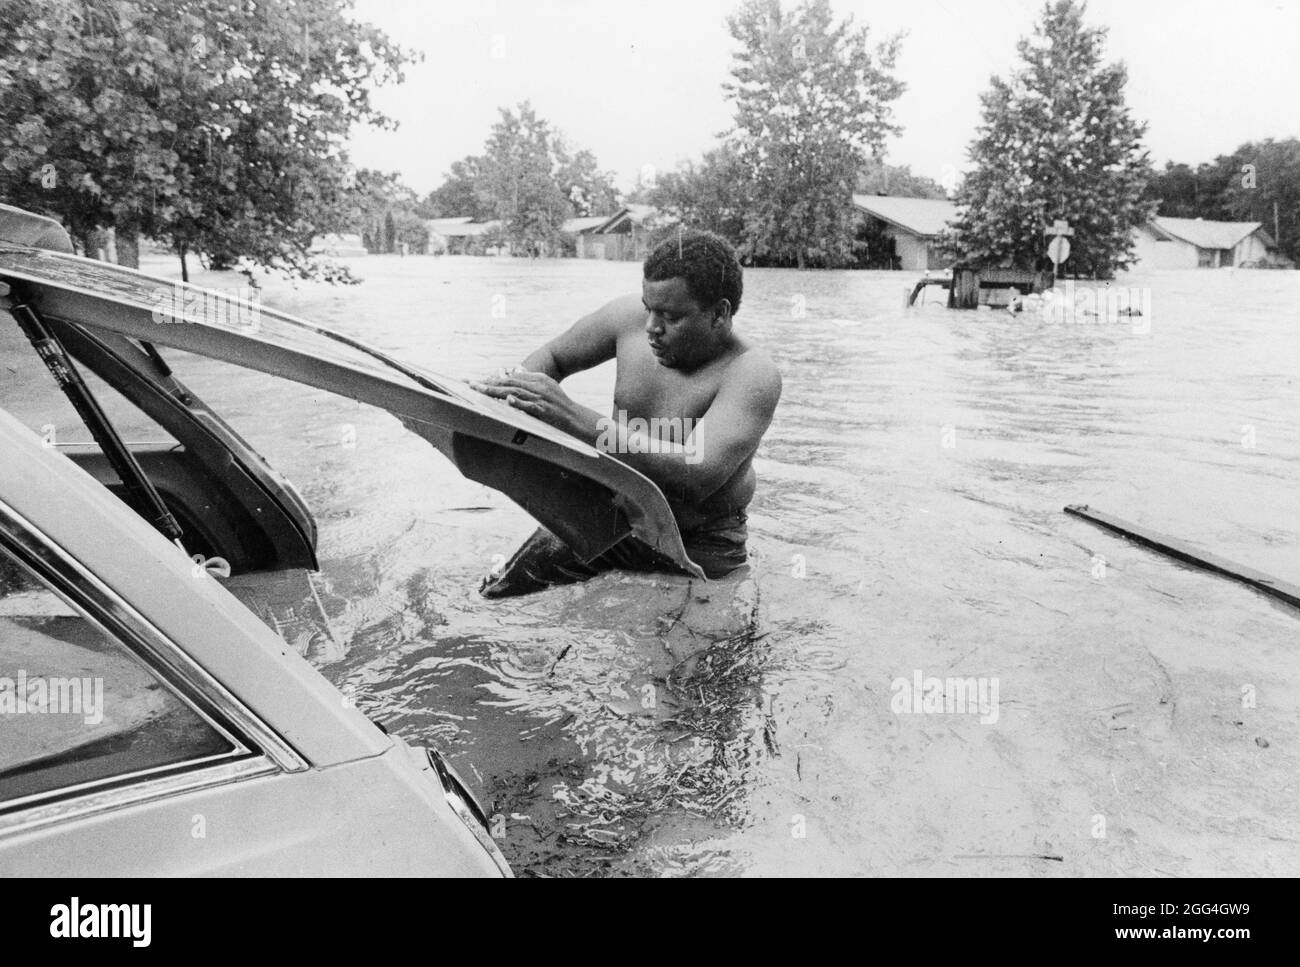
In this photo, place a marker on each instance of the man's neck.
(726, 346)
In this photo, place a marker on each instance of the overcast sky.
(639, 83)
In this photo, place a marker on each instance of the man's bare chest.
(646, 389)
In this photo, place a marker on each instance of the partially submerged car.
(150, 720)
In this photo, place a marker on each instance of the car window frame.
(259, 749)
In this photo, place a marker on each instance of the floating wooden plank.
(1182, 551)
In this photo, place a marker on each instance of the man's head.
(691, 290)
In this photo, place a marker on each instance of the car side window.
(77, 706)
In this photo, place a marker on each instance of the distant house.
(444, 227)
(583, 225)
(1162, 243)
(913, 224)
(625, 235)
(573, 229)
(462, 236)
(338, 246)
(1192, 243)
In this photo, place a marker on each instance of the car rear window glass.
(29, 393)
(77, 707)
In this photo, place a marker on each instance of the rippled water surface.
(908, 520)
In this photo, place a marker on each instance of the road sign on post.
(1058, 227)
(1058, 249)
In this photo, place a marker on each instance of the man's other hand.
(535, 394)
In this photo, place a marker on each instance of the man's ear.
(722, 311)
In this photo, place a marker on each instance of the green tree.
(386, 213)
(217, 127)
(713, 195)
(530, 178)
(1056, 141)
(589, 190)
(812, 100)
(459, 193)
(1181, 191)
(519, 180)
(88, 126)
(411, 230)
(878, 178)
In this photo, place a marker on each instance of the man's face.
(678, 328)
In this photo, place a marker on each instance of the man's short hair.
(706, 261)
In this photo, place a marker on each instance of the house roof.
(1207, 234)
(920, 216)
(458, 227)
(577, 226)
(341, 244)
(636, 214)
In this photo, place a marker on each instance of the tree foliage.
(712, 195)
(812, 101)
(878, 178)
(530, 178)
(1181, 191)
(458, 195)
(518, 179)
(589, 190)
(1056, 141)
(386, 213)
(216, 126)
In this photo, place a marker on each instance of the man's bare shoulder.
(754, 371)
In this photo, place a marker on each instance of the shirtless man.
(678, 360)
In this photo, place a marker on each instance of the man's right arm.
(590, 341)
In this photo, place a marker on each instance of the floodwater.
(1136, 716)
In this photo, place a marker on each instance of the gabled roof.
(458, 227)
(577, 226)
(1207, 234)
(920, 216)
(636, 214)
